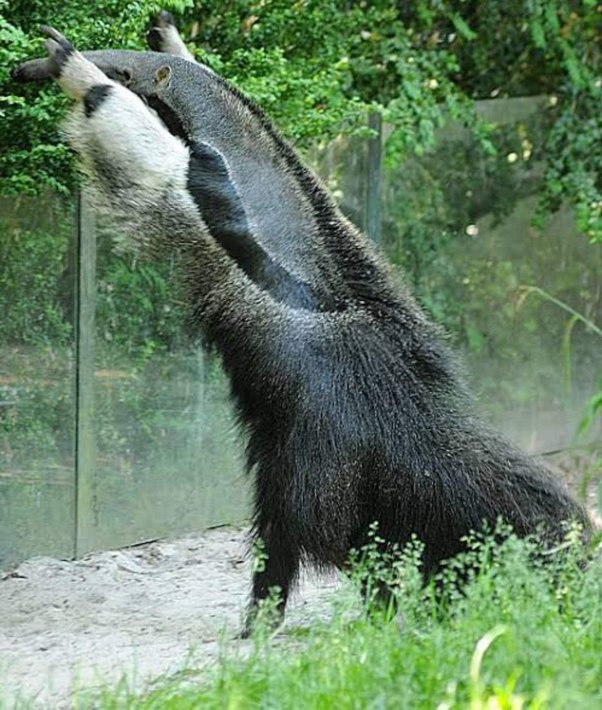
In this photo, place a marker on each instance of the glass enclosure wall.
(457, 227)
(159, 449)
(114, 428)
(37, 378)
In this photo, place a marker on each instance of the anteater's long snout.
(120, 65)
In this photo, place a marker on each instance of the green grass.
(522, 634)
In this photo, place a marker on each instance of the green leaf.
(462, 28)
(476, 340)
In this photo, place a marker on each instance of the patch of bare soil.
(140, 613)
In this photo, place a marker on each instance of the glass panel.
(460, 228)
(167, 459)
(37, 408)
(460, 225)
(532, 366)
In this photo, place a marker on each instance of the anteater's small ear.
(163, 74)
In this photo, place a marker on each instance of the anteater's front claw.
(59, 49)
(59, 38)
(33, 70)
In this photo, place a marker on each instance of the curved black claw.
(154, 39)
(59, 38)
(32, 70)
(58, 47)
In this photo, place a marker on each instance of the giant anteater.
(353, 408)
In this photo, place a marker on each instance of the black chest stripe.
(169, 117)
(222, 210)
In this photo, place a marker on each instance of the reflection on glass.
(167, 454)
(37, 278)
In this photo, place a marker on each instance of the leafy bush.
(34, 295)
(318, 66)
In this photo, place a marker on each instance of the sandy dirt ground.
(142, 612)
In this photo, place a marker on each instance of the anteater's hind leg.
(277, 567)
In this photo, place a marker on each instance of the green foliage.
(33, 297)
(573, 168)
(135, 312)
(317, 67)
(501, 643)
(36, 411)
(593, 410)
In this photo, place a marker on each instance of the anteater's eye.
(123, 76)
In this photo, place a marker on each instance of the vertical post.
(85, 453)
(373, 178)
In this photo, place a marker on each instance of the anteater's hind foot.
(267, 617)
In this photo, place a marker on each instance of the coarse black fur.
(351, 402)
(360, 416)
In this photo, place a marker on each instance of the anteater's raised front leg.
(157, 187)
(164, 37)
(279, 236)
(137, 170)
